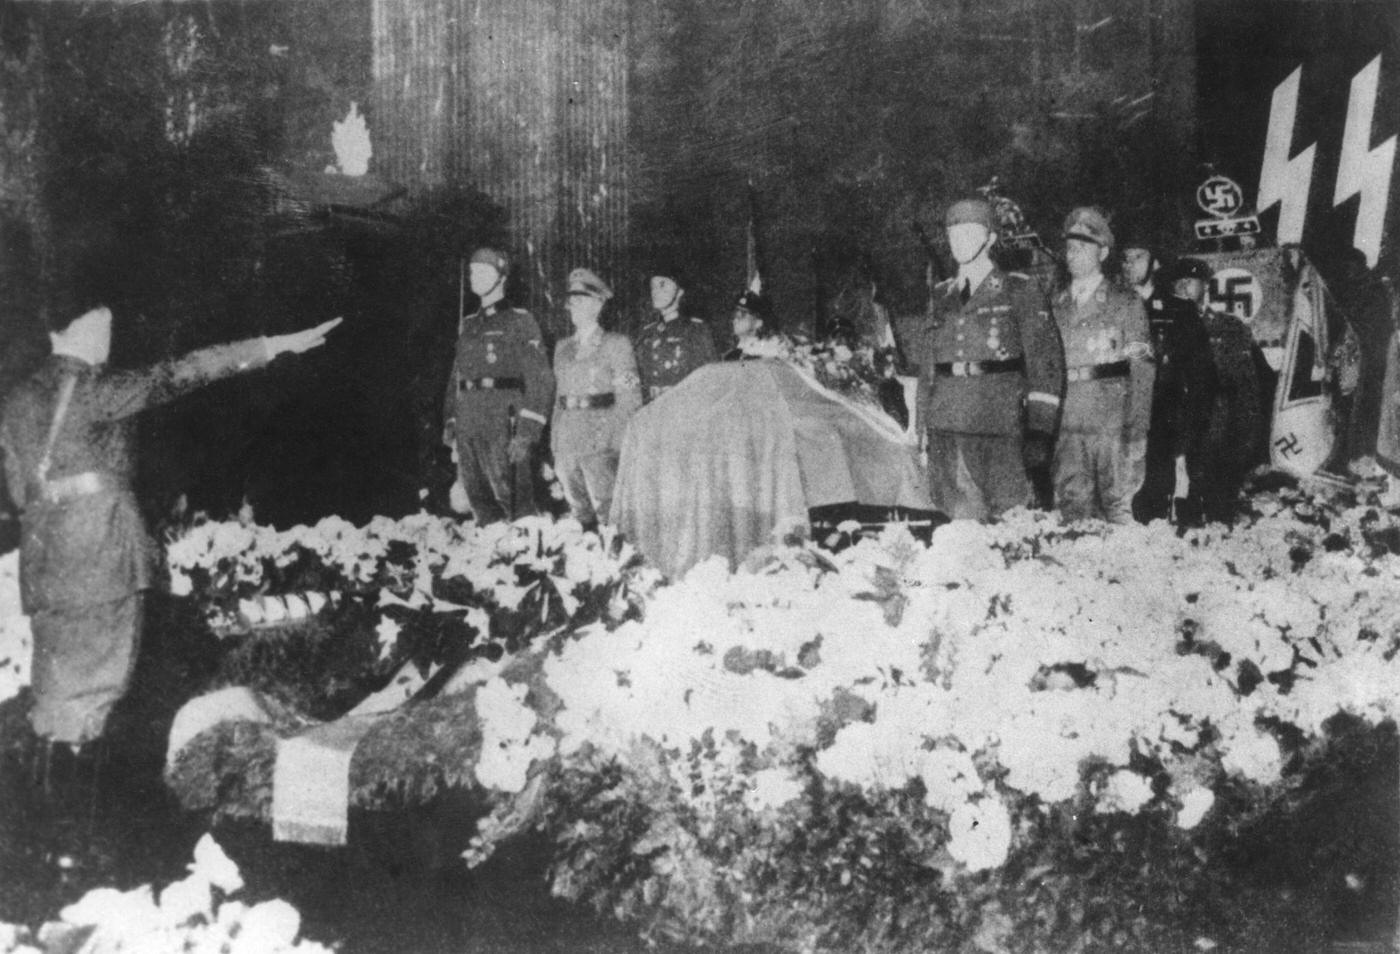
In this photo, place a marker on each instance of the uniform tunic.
(500, 380)
(84, 553)
(1236, 416)
(1103, 433)
(975, 422)
(1183, 392)
(669, 350)
(586, 440)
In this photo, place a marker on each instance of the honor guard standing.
(1108, 400)
(673, 345)
(68, 435)
(1236, 417)
(991, 373)
(598, 393)
(498, 396)
(1182, 393)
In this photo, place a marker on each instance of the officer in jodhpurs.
(1108, 400)
(991, 376)
(497, 401)
(672, 345)
(598, 393)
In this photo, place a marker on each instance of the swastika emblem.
(1288, 446)
(1236, 292)
(1220, 196)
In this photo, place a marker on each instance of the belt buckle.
(962, 369)
(488, 383)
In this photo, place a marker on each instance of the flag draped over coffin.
(741, 449)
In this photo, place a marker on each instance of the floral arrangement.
(436, 591)
(852, 371)
(15, 640)
(874, 750)
(198, 913)
(1023, 734)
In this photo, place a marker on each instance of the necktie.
(965, 292)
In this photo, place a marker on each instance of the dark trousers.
(976, 476)
(496, 488)
(1154, 500)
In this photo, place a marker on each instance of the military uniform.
(598, 393)
(84, 553)
(667, 351)
(1182, 394)
(990, 370)
(1236, 416)
(500, 386)
(1108, 402)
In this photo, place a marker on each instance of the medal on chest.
(994, 337)
(491, 355)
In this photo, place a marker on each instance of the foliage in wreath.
(1027, 736)
(431, 591)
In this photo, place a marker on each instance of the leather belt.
(63, 489)
(575, 402)
(972, 369)
(1095, 372)
(491, 384)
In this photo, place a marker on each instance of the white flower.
(979, 834)
(183, 901)
(1194, 806)
(772, 788)
(1249, 752)
(387, 631)
(1123, 791)
(215, 867)
(122, 913)
(266, 928)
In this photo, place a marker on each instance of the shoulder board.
(945, 284)
(1019, 276)
(697, 321)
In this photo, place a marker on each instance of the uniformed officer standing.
(1108, 401)
(68, 435)
(1237, 414)
(498, 396)
(673, 345)
(991, 375)
(598, 393)
(1182, 393)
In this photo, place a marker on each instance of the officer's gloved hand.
(1182, 487)
(518, 451)
(457, 498)
(1036, 448)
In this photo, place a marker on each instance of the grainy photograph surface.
(764, 476)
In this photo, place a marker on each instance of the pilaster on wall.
(526, 103)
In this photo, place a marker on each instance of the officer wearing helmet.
(673, 345)
(498, 399)
(598, 392)
(1100, 456)
(991, 375)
